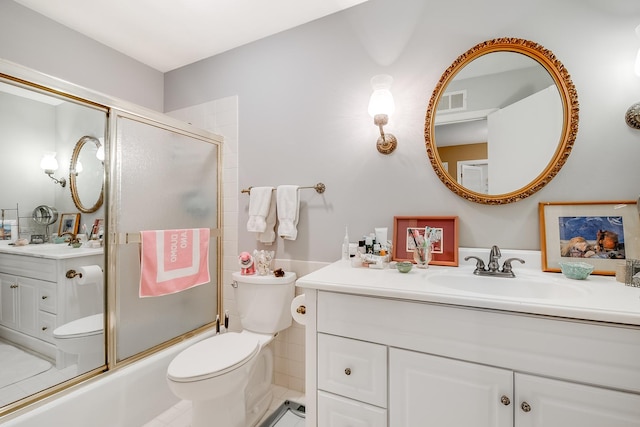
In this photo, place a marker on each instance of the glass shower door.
(163, 177)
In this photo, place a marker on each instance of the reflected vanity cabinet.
(388, 362)
(36, 297)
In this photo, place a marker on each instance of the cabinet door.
(8, 295)
(554, 403)
(426, 390)
(28, 305)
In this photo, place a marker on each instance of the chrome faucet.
(493, 268)
(494, 256)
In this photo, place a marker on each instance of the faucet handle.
(507, 268)
(479, 263)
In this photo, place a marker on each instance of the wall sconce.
(632, 116)
(381, 106)
(49, 164)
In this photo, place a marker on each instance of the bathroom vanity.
(444, 347)
(36, 296)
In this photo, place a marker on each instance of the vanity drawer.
(46, 325)
(352, 368)
(29, 266)
(47, 300)
(336, 411)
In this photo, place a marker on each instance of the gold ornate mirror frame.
(569, 100)
(72, 177)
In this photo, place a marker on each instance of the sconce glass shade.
(78, 167)
(381, 101)
(49, 162)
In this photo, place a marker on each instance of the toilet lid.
(84, 326)
(212, 357)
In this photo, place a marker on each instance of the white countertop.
(598, 298)
(49, 250)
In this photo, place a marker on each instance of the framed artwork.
(69, 223)
(598, 233)
(444, 248)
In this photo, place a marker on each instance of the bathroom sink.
(530, 287)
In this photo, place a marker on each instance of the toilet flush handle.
(234, 284)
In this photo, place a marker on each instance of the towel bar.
(125, 238)
(319, 187)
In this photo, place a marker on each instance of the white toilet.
(84, 338)
(228, 376)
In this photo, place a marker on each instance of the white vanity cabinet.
(36, 297)
(442, 364)
(432, 390)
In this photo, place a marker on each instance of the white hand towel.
(288, 207)
(259, 201)
(269, 234)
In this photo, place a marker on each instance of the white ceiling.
(168, 34)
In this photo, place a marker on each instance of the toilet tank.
(264, 302)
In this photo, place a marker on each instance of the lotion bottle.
(345, 244)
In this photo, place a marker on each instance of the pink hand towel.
(173, 260)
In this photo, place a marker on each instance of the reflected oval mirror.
(86, 175)
(502, 121)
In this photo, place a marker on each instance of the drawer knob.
(44, 297)
(347, 371)
(44, 328)
(13, 286)
(505, 401)
(525, 407)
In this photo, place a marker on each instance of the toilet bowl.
(83, 338)
(228, 377)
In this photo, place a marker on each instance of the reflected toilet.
(83, 338)
(228, 377)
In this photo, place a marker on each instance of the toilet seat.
(213, 357)
(83, 327)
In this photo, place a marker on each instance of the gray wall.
(303, 98)
(303, 95)
(29, 39)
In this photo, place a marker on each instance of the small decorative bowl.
(576, 270)
(404, 267)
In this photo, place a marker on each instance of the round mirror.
(86, 175)
(501, 121)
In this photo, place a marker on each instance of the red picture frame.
(447, 249)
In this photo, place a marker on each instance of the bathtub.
(127, 397)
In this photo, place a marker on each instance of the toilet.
(83, 338)
(228, 377)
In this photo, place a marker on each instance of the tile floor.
(39, 382)
(180, 414)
